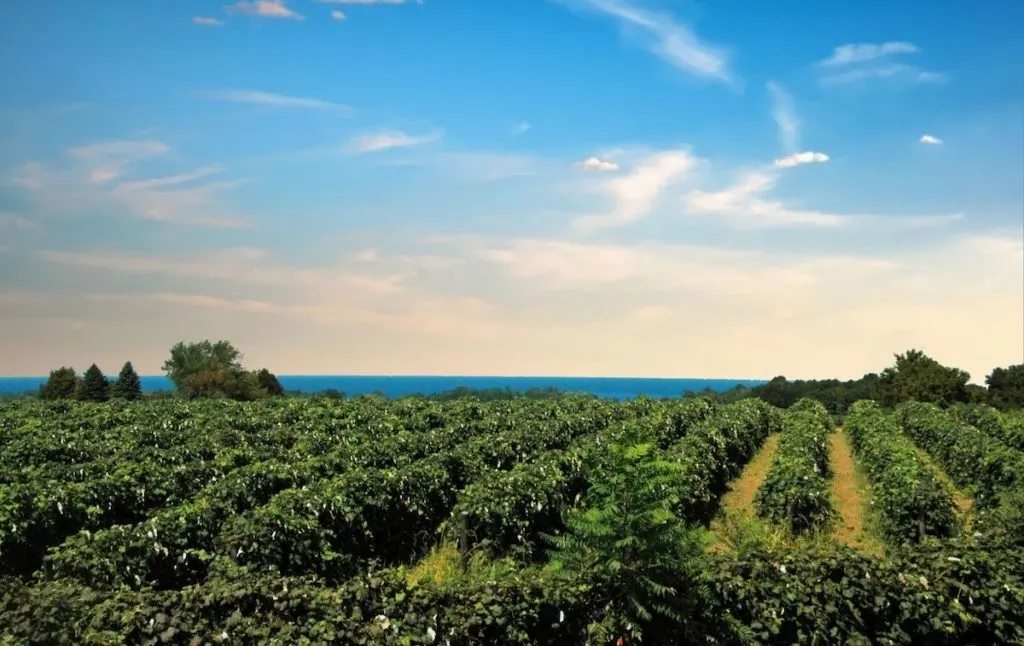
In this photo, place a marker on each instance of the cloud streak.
(663, 36)
(204, 21)
(930, 139)
(277, 9)
(864, 52)
(258, 97)
(391, 139)
(784, 114)
(866, 61)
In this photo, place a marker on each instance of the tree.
(267, 382)
(918, 377)
(94, 386)
(207, 369)
(61, 384)
(1006, 387)
(637, 557)
(128, 385)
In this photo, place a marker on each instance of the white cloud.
(279, 100)
(390, 139)
(370, 2)
(894, 71)
(9, 220)
(92, 182)
(204, 21)
(785, 116)
(521, 128)
(597, 164)
(337, 15)
(930, 139)
(635, 194)
(666, 38)
(797, 159)
(264, 9)
(864, 52)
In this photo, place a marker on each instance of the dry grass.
(440, 566)
(964, 504)
(851, 496)
(737, 510)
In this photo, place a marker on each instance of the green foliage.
(796, 490)
(267, 382)
(61, 385)
(976, 461)
(909, 499)
(207, 369)
(93, 386)
(917, 377)
(128, 385)
(634, 553)
(1006, 387)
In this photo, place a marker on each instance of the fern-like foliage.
(637, 556)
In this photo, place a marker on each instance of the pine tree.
(61, 384)
(638, 557)
(128, 386)
(94, 386)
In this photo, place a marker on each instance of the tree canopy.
(214, 369)
(94, 386)
(1006, 387)
(128, 385)
(917, 377)
(61, 384)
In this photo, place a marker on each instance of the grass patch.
(851, 497)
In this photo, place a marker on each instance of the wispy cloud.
(204, 21)
(9, 220)
(390, 139)
(864, 52)
(930, 139)
(278, 100)
(664, 37)
(521, 128)
(796, 159)
(864, 61)
(894, 71)
(264, 9)
(91, 181)
(785, 117)
(597, 164)
(635, 193)
(370, 2)
(337, 15)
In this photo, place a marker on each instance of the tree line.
(198, 370)
(914, 376)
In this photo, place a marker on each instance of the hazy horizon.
(556, 187)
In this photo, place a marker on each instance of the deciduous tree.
(61, 384)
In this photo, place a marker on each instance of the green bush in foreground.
(635, 555)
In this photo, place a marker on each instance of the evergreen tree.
(638, 558)
(267, 382)
(128, 386)
(94, 386)
(60, 385)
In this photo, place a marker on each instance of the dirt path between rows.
(964, 504)
(850, 493)
(739, 498)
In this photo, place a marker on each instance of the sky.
(731, 189)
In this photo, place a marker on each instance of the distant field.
(404, 521)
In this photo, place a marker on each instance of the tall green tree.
(94, 386)
(268, 384)
(128, 385)
(637, 557)
(61, 384)
(917, 377)
(209, 369)
(1006, 387)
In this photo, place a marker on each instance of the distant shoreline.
(399, 386)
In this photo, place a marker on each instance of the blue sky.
(571, 187)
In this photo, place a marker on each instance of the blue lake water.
(396, 386)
